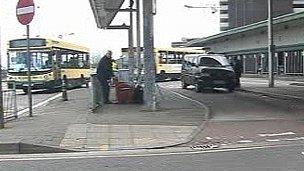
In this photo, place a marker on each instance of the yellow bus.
(168, 61)
(50, 61)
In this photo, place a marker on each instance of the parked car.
(207, 72)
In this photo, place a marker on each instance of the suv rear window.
(209, 62)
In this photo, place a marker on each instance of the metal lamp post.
(149, 60)
(138, 39)
(1, 95)
(271, 47)
(131, 45)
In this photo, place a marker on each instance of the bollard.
(96, 93)
(64, 88)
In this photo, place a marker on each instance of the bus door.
(174, 59)
(56, 65)
(161, 62)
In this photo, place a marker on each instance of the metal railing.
(9, 99)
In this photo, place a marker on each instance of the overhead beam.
(120, 10)
(103, 17)
(117, 27)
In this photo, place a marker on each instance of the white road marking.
(253, 83)
(43, 103)
(294, 139)
(273, 140)
(245, 141)
(185, 97)
(277, 134)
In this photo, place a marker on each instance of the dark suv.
(207, 72)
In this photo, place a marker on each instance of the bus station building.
(250, 44)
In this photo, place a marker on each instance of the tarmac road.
(245, 118)
(237, 105)
(38, 96)
(253, 132)
(278, 158)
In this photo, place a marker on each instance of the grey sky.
(54, 17)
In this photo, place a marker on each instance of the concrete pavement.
(120, 127)
(71, 125)
(285, 88)
(181, 116)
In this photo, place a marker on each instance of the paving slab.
(120, 137)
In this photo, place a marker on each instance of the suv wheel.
(231, 89)
(197, 88)
(184, 85)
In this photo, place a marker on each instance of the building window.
(224, 20)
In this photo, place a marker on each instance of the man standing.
(238, 68)
(104, 75)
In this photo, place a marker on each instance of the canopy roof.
(284, 19)
(105, 11)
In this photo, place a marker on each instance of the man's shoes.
(108, 102)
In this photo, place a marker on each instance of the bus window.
(80, 61)
(40, 60)
(174, 58)
(72, 61)
(170, 58)
(46, 60)
(53, 59)
(86, 60)
(64, 61)
(162, 58)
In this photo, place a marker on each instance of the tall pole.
(131, 45)
(149, 89)
(29, 87)
(270, 44)
(1, 93)
(138, 49)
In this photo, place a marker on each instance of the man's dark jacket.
(104, 69)
(238, 67)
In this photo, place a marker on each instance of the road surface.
(280, 158)
(245, 118)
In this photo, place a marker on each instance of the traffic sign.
(25, 11)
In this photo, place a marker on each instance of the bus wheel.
(162, 75)
(197, 88)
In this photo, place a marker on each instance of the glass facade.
(285, 62)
